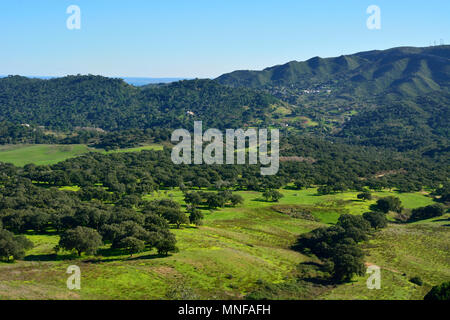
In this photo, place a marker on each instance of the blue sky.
(202, 38)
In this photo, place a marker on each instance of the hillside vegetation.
(111, 104)
(86, 179)
(396, 98)
(404, 70)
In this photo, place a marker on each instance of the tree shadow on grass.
(442, 220)
(4, 261)
(50, 257)
(319, 281)
(48, 232)
(261, 200)
(183, 226)
(124, 259)
(292, 188)
(313, 268)
(111, 252)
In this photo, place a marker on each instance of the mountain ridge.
(401, 70)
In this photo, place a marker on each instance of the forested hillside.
(111, 104)
(403, 124)
(396, 98)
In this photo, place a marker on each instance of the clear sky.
(203, 38)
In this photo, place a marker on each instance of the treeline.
(11, 133)
(25, 133)
(308, 163)
(352, 167)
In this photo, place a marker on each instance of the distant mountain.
(135, 81)
(145, 81)
(397, 98)
(403, 70)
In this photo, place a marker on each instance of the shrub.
(440, 292)
(390, 203)
(13, 246)
(365, 195)
(196, 217)
(431, 211)
(416, 280)
(377, 220)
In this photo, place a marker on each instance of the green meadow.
(48, 154)
(238, 251)
(42, 154)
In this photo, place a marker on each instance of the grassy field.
(47, 154)
(44, 154)
(237, 251)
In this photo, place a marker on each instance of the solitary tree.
(132, 245)
(390, 203)
(215, 201)
(348, 260)
(365, 195)
(196, 217)
(236, 199)
(431, 211)
(193, 198)
(175, 216)
(355, 227)
(81, 239)
(13, 246)
(165, 242)
(377, 220)
(323, 190)
(272, 195)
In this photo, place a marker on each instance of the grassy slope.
(21, 155)
(232, 253)
(45, 154)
